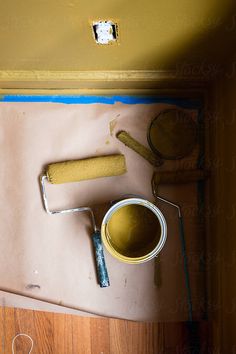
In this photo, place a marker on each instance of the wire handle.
(102, 273)
(183, 248)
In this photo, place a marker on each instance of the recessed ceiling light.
(105, 32)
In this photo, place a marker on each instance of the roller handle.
(181, 176)
(100, 260)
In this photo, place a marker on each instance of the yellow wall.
(56, 34)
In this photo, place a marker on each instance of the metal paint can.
(134, 240)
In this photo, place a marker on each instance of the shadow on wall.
(194, 50)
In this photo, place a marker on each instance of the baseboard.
(130, 79)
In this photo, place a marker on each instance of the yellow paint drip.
(134, 231)
(112, 125)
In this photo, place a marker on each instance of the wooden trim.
(129, 75)
(139, 79)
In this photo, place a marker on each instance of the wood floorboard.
(69, 334)
(100, 336)
(9, 328)
(44, 332)
(60, 338)
(2, 323)
(81, 334)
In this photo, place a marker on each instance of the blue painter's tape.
(68, 99)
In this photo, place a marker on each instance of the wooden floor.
(59, 334)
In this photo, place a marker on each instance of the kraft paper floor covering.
(55, 252)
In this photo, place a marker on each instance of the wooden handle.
(175, 177)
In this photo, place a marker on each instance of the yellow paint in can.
(133, 232)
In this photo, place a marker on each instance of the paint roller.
(179, 177)
(155, 183)
(91, 168)
(140, 149)
(171, 135)
(76, 171)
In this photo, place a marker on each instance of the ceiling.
(153, 35)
